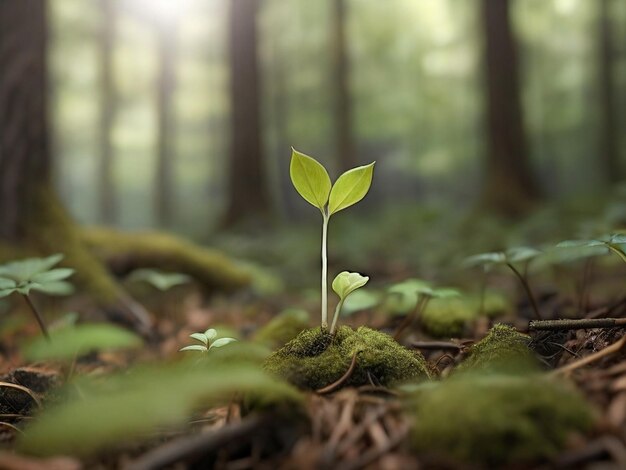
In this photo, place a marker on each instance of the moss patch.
(495, 419)
(283, 328)
(504, 349)
(315, 359)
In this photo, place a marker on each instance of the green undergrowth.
(503, 350)
(494, 419)
(283, 328)
(450, 317)
(315, 359)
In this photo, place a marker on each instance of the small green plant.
(35, 274)
(509, 258)
(159, 279)
(208, 340)
(312, 182)
(345, 284)
(613, 243)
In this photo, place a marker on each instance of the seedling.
(159, 279)
(35, 274)
(345, 284)
(208, 341)
(508, 258)
(312, 182)
(612, 242)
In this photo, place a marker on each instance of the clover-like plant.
(613, 243)
(509, 258)
(345, 284)
(161, 280)
(312, 182)
(208, 340)
(35, 274)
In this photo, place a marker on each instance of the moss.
(504, 349)
(283, 328)
(447, 318)
(315, 359)
(124, 252)
(496, 419)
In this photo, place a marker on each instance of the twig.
(42, 324)
(576, 324)
(194, 447)
(21, 388)
(335, 385)
(613, 348)
(529, 293)
(374, 454)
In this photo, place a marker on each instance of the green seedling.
(159, 279)
(509, 258)
(613, 243)
(208, 340)
(312, 182)
(345, 284)
(35, 274)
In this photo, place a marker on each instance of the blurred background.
(179, 115)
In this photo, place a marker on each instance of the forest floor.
(348, 428)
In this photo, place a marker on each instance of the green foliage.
(315, 358)
(35, 274)
(283, 328)
(362, 299)
(310, 179)
(491, 420)
(346, 282)
(350, 188)
(134, 403)
(613, 243)
(67, 343)
(209, 340)
(512, 255)
(159, 279)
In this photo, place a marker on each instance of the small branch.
(613, 348)
(42, 324)
(528, 291)
(576, 324)
(335, 385)
(21, 388)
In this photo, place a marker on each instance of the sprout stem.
(529, 293)
(325, 217)
(336, 316)
(42, 324)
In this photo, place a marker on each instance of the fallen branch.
(613, 348)
(576, 324)
(335, 385)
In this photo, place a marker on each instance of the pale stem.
(325, 217)
(336, 317)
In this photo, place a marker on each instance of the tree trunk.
(165, 110)
(344, 139)
(509, 188)
(609, 152)
(248, 193)
(108, 102)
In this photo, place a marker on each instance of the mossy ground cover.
(315, 359)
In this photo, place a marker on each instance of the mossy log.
(124, 252)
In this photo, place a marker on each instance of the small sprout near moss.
(208, 340)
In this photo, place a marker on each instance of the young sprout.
(345, 284)
(159, 279)
(35, 274)
(509, 258)
(312, 182)
(208, 341)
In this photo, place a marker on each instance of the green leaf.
(618, 238)
(159, 279)
(79, 340)
(53, 275)
(522, 253)
(200, 337)
(7, 283)
(24, 270)
(310, 179)
(362, 299)
(580, 243)
(350, 188)
(485, 259)
(411, 287)
(53, 288)
(445, 293)
(346, 282)
(194, 347)
(218, 343)
(210, 334)
(7, 292)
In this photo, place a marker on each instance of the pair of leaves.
(312, 182)
(35, 274)
(513, 255)
(613, 242)
(208, 340)
(346, 282)
(159, 279)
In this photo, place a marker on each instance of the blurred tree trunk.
(31, 218)
(344, 138)
(509, 188)
(249, 197)
(166, 83)
(108, 105)
(609, 152)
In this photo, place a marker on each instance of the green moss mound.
(504, 349)
(496, 419)
(448, 318)
(283, 328)
(315, 359)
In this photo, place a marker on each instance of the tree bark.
(108, 105)
(166, 85)
(509, 188)
(609, 152)
(249, 197)
(344, 138)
